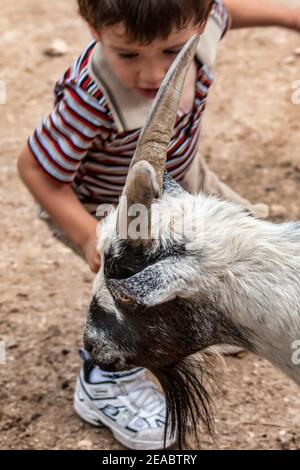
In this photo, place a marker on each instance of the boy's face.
(142, 68)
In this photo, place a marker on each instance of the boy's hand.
(89, 247)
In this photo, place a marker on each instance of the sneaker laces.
(143, 398)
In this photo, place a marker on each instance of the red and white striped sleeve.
(64, 137)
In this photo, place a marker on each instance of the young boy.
(79, 155)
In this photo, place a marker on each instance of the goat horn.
(145, 176)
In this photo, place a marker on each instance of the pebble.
(289, 60)
(87, 279)
(84, 444)
(57, 48)
(297, 51)
(285, 438)
(286, 163)
(297, 167)
(278, 211)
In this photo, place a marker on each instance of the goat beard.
(189, 386)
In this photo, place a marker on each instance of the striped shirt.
(89, 138)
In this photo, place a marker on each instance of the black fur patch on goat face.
(127, 262)
(103, 320)
(106, 339)
(167, 333)
(133, 260)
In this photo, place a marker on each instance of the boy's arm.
(59, 200)
(251, 13)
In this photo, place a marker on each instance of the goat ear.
(156, 284)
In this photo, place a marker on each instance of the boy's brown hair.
(144, 20)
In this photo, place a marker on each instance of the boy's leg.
(129, 404)
(200, 178)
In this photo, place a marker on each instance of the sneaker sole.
(88, 414)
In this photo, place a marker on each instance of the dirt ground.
(250, 137)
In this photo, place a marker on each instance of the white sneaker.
(127, 403)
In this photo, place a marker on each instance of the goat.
(158, 300)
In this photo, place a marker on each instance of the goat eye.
(125, 299)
